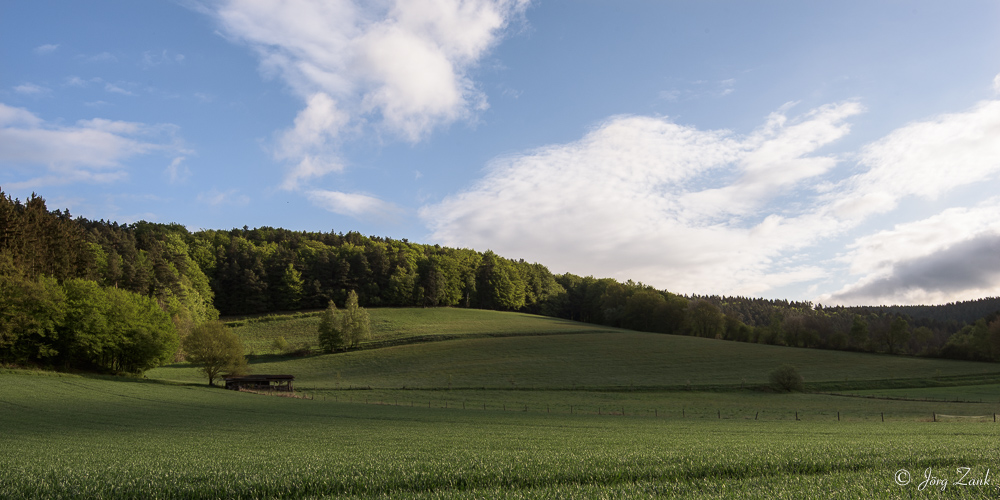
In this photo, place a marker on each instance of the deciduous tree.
(330, 331)
(216, 349)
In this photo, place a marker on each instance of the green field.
(495, 350)
(401, 325)
(476, 404)
(71, 437)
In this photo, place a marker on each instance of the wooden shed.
(261, 382)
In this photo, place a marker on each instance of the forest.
(97, 295)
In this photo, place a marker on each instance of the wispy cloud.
(99, 58)
(152, 59)
(89, 151)
(699, 89)
(399, 68)
(76, 81)
(31, 89)
(177, 171)
(46, 49)
(354, 204)
(715, 212)
(110, 87)
(311, 142)
(217, 198)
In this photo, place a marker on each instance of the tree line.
(192, 278)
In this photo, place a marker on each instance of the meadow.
(473, 349)
(393, 326)
(476, 404)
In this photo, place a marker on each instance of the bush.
(280, 345)
(787, 379)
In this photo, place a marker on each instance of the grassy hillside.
(83, 437)
(400, 325)
(602, 358)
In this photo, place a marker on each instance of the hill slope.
(545, 353)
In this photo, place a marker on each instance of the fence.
(676, 412)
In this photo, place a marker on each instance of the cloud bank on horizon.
(704, 211)
(829, 197)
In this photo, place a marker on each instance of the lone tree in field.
(216, 349)
(331, 335)
(356, 324)
(339, 329)
(787, 379)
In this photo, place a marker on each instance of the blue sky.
(841, 152)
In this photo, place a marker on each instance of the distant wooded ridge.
(193, 277)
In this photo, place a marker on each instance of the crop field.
(71, 437)
(986, 393)
(704, 405)
(478, 404)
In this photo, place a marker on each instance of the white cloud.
(30, 89)
(90, 150)
(713, 212)
(47, 48)
(110, 87)
(216, 198)
(17, 116)
(177, 171)
(634, 199)
(310, 141)
(353, 204)
(398, 66)
(924, 159)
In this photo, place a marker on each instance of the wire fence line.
(677, 412)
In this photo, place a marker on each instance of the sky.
(843, 152)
